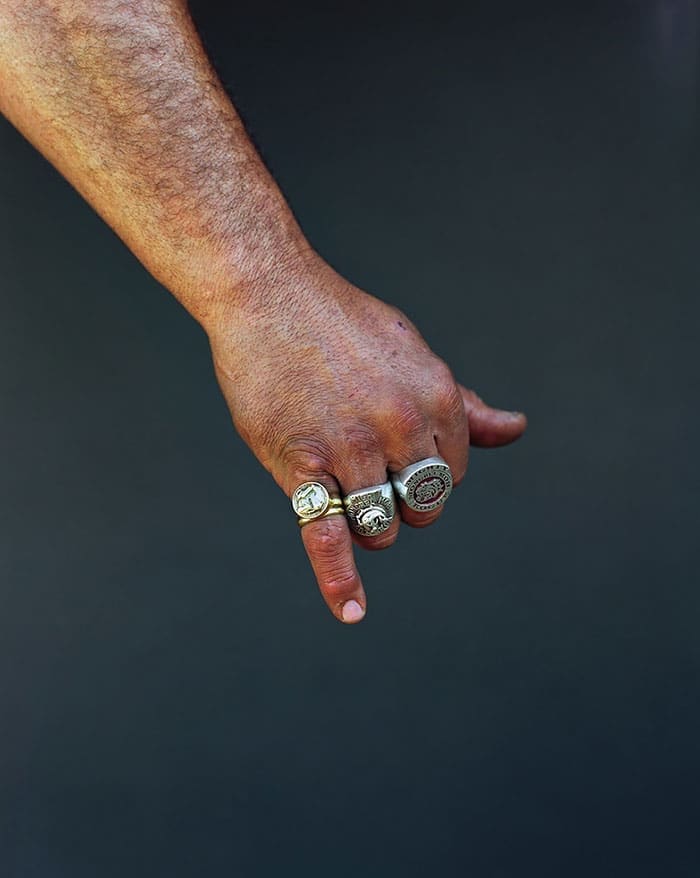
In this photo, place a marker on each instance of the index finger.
(329, 546)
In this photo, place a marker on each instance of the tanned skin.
(324, 382)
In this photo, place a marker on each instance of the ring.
(424, 485)
(370, 510)
(311, 500)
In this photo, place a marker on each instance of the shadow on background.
(523, 697)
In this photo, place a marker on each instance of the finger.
(490, 427)
(452, 434)
(412, 517)
(327, 540)
(359, 465)
(329, 547)
(380, 541)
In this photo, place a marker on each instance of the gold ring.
(311, 500)
(335, 507)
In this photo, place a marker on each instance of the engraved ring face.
(424, 485)
(310, 500)
(370, 511)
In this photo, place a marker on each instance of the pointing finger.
(329, 547)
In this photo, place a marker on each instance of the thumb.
(489, 427)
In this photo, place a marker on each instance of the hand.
(327, 383)
(324, 382)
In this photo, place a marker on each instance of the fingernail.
(352, 611)
(517, 414)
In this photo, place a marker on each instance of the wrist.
(245, 284)
(238, 266)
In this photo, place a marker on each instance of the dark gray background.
(522, 699)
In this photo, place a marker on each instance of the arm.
(121, 98)
(324, 382)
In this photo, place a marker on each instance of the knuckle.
(406, 419)
(422, 519)
(382, 541)
(451, 412)
(315, 457)
(340, 586)
(331, 558)
(307, 457)
(359, 443)
(323, 542)
(446, 393)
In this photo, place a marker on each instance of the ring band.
(311, 501)
(370, 510)
(424, 485)
(332, 510)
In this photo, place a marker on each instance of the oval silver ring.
(424, 485)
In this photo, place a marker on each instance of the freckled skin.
(324, 381)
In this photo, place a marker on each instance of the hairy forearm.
(121, 98)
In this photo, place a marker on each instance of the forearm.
(121, 98)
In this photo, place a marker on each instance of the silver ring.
(370, 511)
(424, 485)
